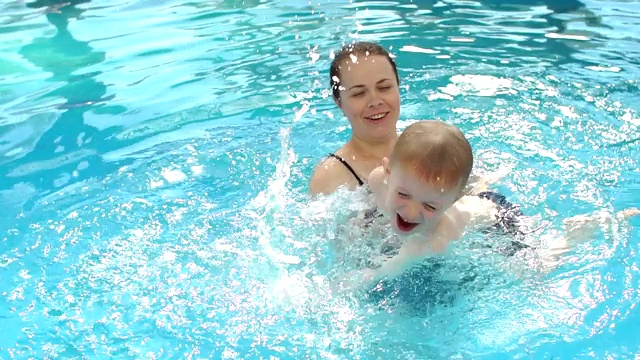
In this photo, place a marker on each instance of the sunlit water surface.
(155, 157)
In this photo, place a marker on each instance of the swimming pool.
(155, 154)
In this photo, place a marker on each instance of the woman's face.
(369, 97)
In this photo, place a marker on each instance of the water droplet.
(314, 56)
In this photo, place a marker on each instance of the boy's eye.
(403, 195)
(386, 87)
(429, 207)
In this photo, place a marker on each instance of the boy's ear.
(464, 190)
(385, 166)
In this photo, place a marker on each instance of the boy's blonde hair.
(436, 152)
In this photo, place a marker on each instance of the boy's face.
(415, 205)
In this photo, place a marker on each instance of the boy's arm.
(377, 185)
(409, 254)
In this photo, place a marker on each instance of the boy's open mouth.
(403, 225)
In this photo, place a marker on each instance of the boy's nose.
(411, 213)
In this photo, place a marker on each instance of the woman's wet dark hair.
(359, 48)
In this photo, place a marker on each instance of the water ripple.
(155, 156)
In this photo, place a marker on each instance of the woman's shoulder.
(328, 175)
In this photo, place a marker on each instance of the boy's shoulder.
(449, 227)
(483, 211)
(469, 208)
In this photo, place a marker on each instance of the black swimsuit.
(346, 164)
(507, 217)
(371, 213)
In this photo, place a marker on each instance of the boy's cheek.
(431, 215)
(394, 202)
(389, 200)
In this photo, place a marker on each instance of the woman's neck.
(373, 150)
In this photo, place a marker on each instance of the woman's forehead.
(365, 68)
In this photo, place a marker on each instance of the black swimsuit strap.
(346, 164)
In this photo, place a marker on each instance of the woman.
(365, 86)
(364, 82)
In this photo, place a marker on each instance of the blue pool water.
(155, 154)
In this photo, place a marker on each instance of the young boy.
(419, 190)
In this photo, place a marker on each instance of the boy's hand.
(352, 281)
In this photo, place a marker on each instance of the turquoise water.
(155, 154)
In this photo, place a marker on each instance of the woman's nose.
(374, 100)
